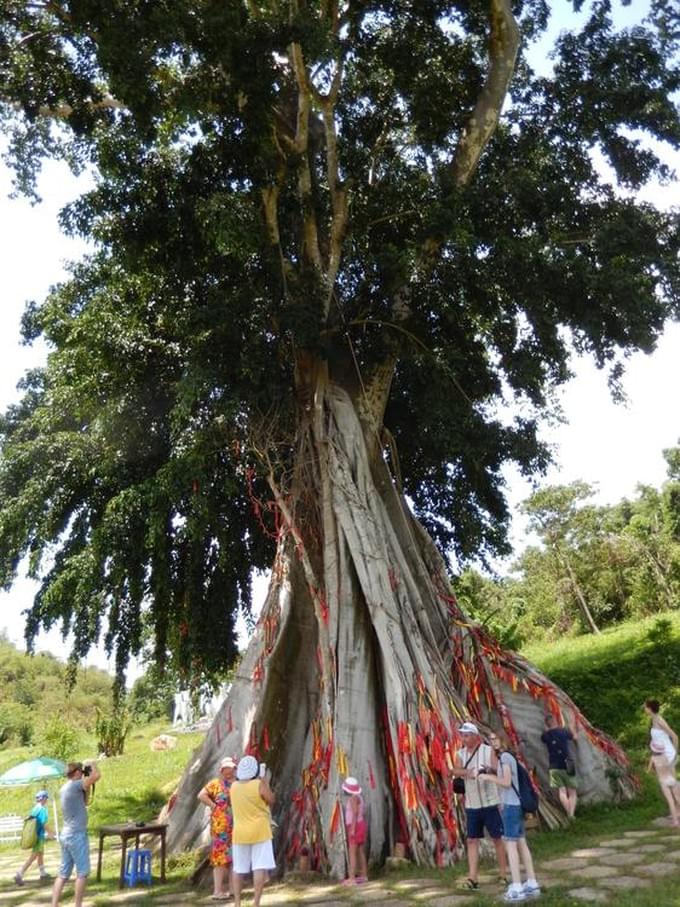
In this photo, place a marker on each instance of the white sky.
(613, 446)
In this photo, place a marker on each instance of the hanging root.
(362, 663)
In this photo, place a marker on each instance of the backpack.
(528, 796)
(29, 833)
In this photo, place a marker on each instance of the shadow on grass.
(113, 808)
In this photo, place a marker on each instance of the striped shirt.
(477, 793)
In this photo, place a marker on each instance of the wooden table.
(125, 831)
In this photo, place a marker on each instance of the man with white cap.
(252, 851)
(482, 801)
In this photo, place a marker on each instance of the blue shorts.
(513, 823)
(75, 851)
(488, 817)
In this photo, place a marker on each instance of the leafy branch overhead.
(385, 190)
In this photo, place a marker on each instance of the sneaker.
(514, 896)
(45, 877)
(19, 879)
(531, 889)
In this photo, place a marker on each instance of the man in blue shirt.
(41, 815)
(562, 770)
(75, 847)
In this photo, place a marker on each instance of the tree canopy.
(595, 564)
(274, 181)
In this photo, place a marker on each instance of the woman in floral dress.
(215, 795)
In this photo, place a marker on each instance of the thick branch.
(372, 402)
(64, 110)
(337, 190)
(310, 226)
(503, 47)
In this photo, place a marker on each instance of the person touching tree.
(561, 764)
(340, 258)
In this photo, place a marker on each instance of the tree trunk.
(363, 664)
(580, 597)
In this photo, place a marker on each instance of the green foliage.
(622, 560)
(179, 346)
(489, 604)
(34, 690)
(58, 739)
(16, 724)
(111, 731)
(610, 676)
(152, 696)
(133, 786)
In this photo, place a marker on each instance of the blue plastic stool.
(137, 867)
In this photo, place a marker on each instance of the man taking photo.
(75, 847)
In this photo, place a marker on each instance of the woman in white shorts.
(660, 731)
(251, 840)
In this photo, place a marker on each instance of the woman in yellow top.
(251, 840)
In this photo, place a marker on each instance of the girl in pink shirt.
(355, 828)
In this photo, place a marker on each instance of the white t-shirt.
(477, 793)
(660, 736)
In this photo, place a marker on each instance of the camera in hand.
(87, 770)
(485, 770)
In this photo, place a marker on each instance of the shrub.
(111, 732)
(152, 695)
(59, 739)
(16, 724)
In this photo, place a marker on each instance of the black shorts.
(488, 817)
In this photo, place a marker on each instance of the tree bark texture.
(586, 613)
(362, 663)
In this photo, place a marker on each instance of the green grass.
(133, 786)
(610, 675)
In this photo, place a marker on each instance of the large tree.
(342, 253)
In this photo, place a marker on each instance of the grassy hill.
(33, 692)
(609, 676)
(133, 786)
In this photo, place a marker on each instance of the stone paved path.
(596, 874)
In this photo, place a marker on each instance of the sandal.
(470, 885)
(348, 882)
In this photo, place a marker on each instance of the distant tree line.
(36, 704)
(593, 566)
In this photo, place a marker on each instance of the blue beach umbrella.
(42, 769)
